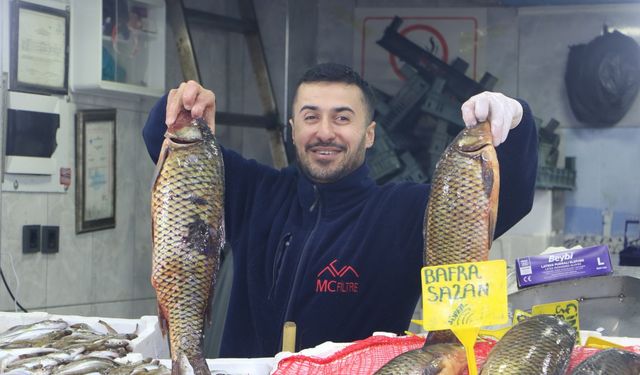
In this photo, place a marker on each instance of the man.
(320, 243)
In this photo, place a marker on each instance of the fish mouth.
(179, 141)
(183, 141)
(473, 147)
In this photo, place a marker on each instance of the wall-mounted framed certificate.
(96, 170)
(39, 48)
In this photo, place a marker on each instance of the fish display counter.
(43, 343)
(144, 341)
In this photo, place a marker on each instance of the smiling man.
(331, 128)
(319, 243)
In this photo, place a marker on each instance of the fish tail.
(175, 367)
(200, 366)
(440, 337)
(197, 364)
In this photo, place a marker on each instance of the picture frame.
(95, 170)
(39, 38)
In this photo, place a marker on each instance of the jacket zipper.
(283, 245)
(316, 204)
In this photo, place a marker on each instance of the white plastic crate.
(149, 342)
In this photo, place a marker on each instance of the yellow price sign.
(567, 310)
(464, 295)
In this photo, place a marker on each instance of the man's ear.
(370, 134)
(292, 131)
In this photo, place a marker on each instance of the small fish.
(109, 354)
(35, 362)
(188, 234)
(610, 361)
(43, 338)
(85, 366)
(8, 356)
(441, 359)
(31, 332)
(539, 345)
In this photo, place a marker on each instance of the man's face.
(330, 130)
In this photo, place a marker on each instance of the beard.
(332, 171)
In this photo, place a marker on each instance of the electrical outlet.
(50, 239)
(30, 238)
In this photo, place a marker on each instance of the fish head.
(474, 138)
(186, 129)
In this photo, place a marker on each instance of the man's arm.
(518, 158)
(516, 139)
(154, 128)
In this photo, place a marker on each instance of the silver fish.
(85, 366)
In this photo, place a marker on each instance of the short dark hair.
(333, 72)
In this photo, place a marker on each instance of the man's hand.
(501, 111)
(192, 97)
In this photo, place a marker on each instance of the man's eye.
(310, 117)
(343, 119)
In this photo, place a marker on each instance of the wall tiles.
(121, 309)
(25, 273)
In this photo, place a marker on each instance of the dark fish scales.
(540, 345)
(441, 359)
(610, 361)
(188, 234)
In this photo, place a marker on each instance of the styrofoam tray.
(149, 342)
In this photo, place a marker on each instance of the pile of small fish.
(56, 347)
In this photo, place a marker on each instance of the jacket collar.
(336, 196)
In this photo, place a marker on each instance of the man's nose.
(325, 130)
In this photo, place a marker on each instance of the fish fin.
(207, 311)
(440, 337)
(175, 368)
(216, 239)
(491, 182)
(162, 321)
(161, 158)
(200, 366)
(197, 365)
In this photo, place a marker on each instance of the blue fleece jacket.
(341, 260)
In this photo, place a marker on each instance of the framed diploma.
(39, 48)
(95, 169)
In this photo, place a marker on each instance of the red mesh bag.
(363, 357)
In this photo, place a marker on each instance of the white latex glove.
(503, 112)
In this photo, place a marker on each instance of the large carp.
(610, 361)
(187, 209)
(540, 345)
(463, 202)
(458, 228)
